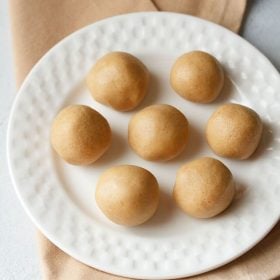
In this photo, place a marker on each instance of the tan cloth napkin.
(37, 25)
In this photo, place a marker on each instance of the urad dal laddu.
(197, 76)
(127, 194)
(80, 135)
(204, 187)
(118, 80)
(158, 132)
(234, 131)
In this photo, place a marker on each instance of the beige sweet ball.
(204, 187)
(197, 76)
(127, 194)
(119, 80)
(234, 131)
(80, 135)
(158, 132)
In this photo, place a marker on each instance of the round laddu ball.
(234, 131)
(118, 80)
(204, 187)
(158, 132)
(197, 76)
(80, 135)
(128, 195)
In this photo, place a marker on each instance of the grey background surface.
(18, 253)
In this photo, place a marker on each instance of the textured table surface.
(18, 254)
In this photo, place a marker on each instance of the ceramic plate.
(60, 198)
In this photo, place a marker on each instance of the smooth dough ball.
(158, 132)
(118, 80)
(234, 131)
(204, 187)
(127, 194)
(80, 135)
(197, 76)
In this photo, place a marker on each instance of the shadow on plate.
(265, 143)
(238, 200)
(195, 144)
(118, 147)
(163, 215)
(153, 94)
(227, 92)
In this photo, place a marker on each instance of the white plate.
(59, 197)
